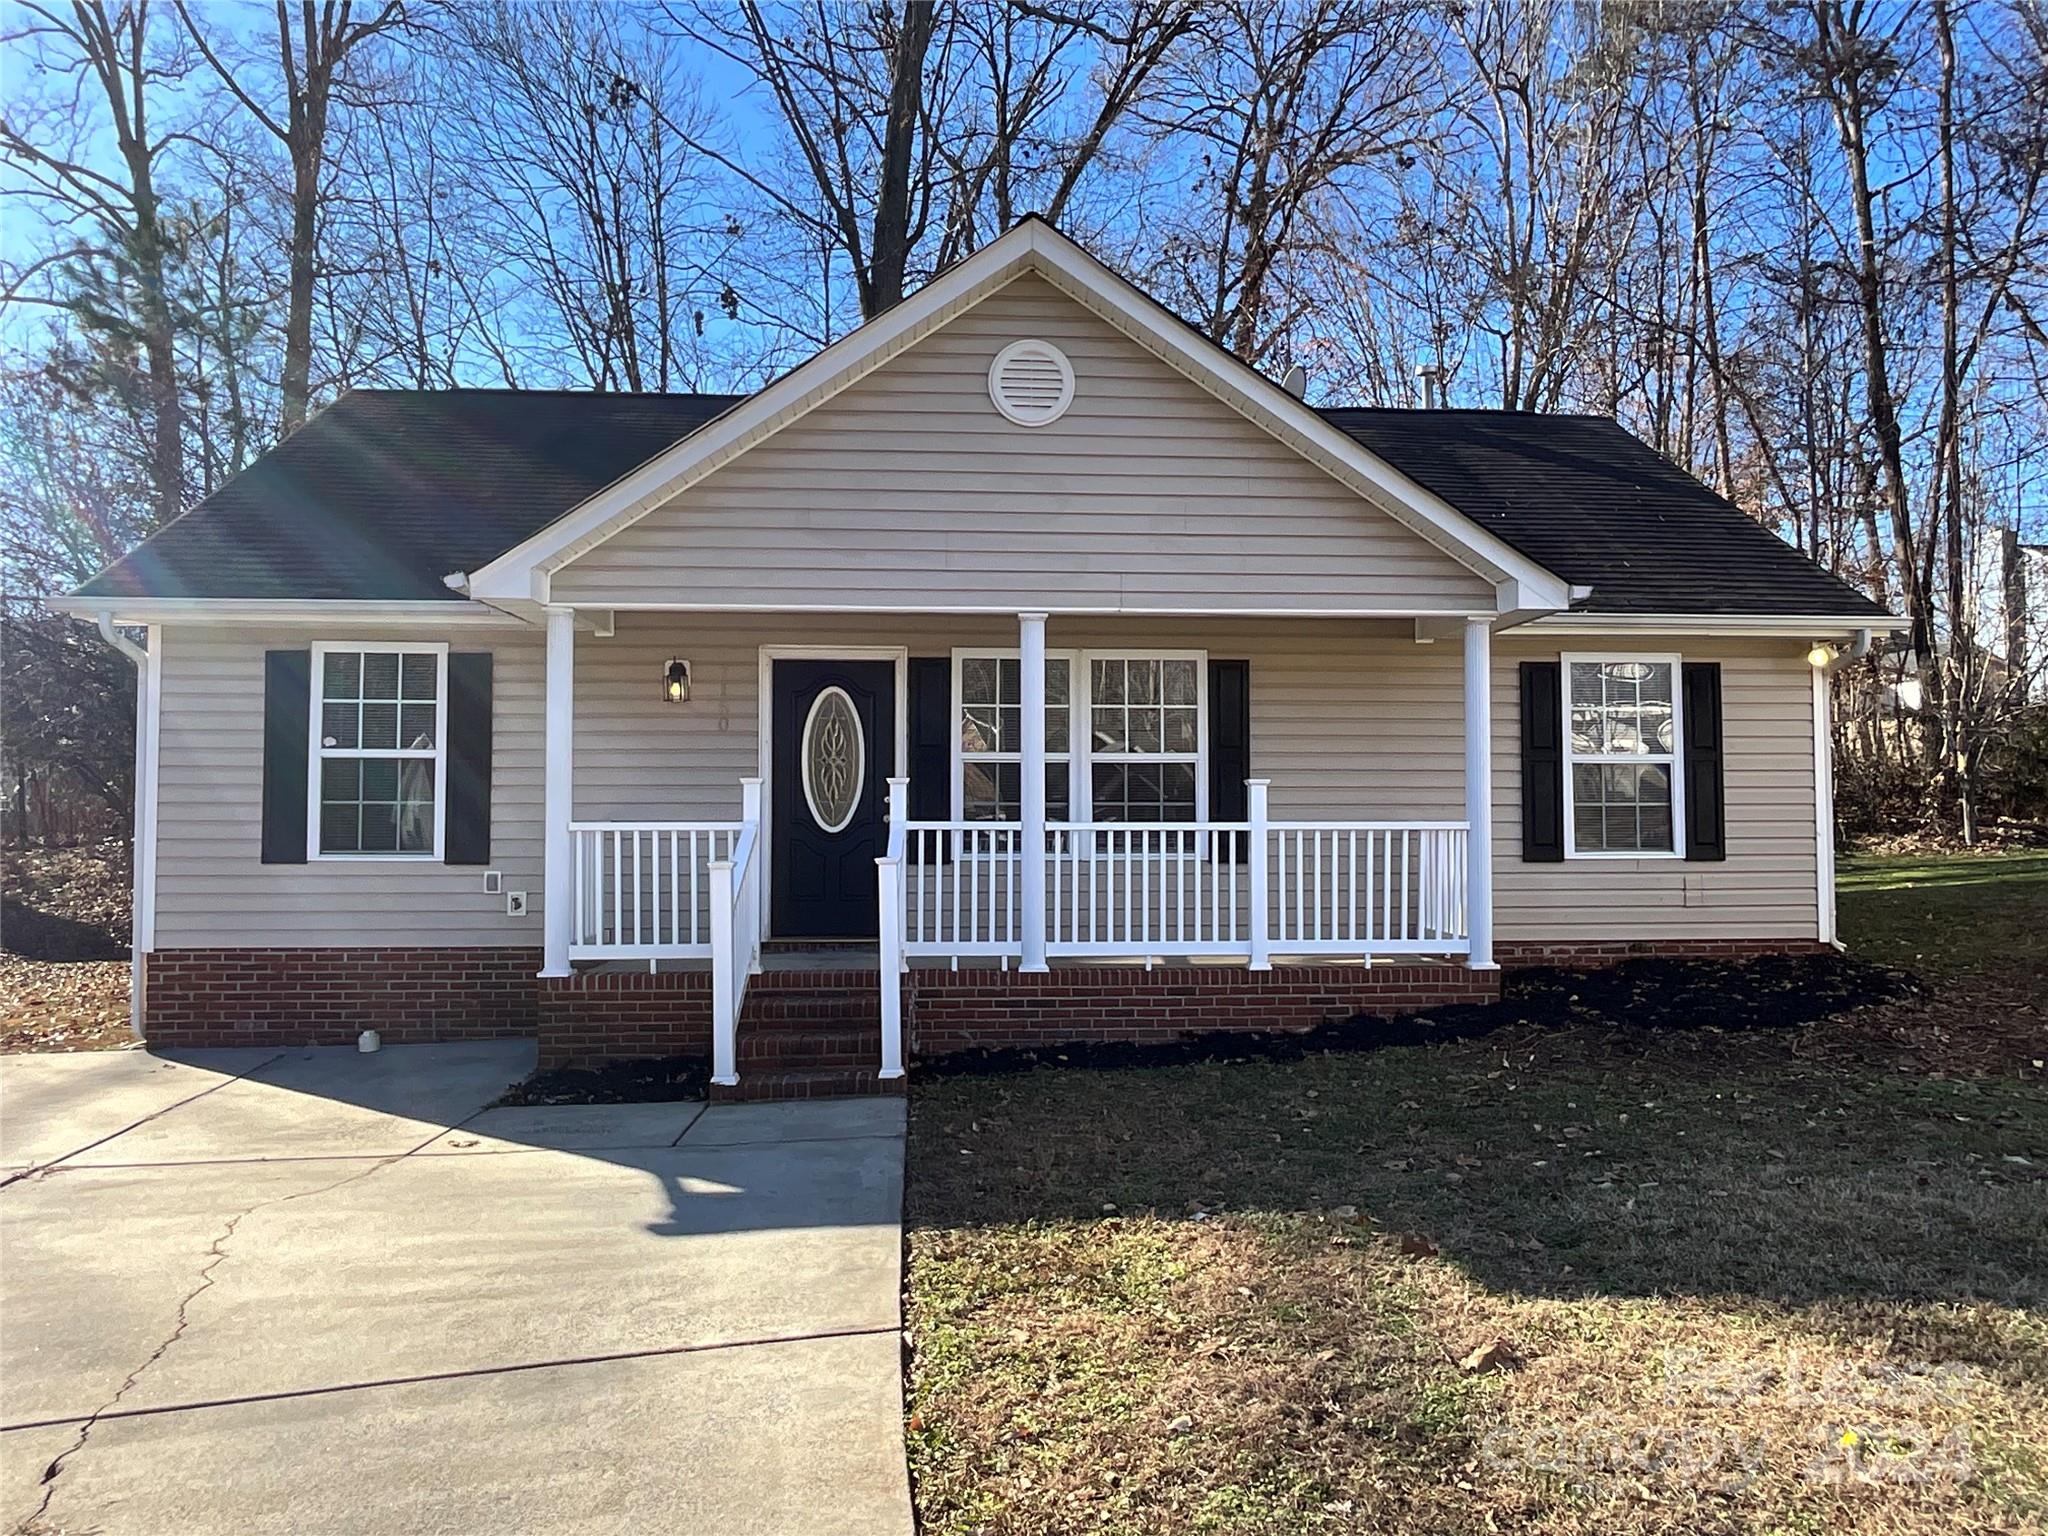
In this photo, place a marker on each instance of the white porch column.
(1031, 773)
(559, 798)
(1479, 791)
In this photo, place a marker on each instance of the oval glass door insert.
(834, 756)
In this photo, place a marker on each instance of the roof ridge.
(518, 391)
(1470, 410)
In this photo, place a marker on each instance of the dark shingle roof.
(385, 492)
(1581, 496)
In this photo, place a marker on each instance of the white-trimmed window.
(988, 700)
(1622, 756)
(1126, 735)
(1145, 738)
(378, 755)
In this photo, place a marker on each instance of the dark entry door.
(833, 749)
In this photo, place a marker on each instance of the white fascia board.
(521, 573)
(234, 610)
(1807, 626)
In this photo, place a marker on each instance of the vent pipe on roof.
(1432, 376)
(1296, 382)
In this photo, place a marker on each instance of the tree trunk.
(296, 383)
(891, 244)
(1841, 59)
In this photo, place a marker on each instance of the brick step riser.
(773, 1086)
(846, 1052)
(824, 1014)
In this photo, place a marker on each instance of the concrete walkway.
(311, 1291)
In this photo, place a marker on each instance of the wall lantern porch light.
(675, 682)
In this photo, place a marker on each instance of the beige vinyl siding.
(214, 890)
(1765, 889)
(1350, 720)
(910, 490)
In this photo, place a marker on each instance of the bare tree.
(312, 69)
(1274, 107)
(116, 248)
(580, 150)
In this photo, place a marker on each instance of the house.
(1021, 668)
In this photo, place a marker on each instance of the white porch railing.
(961, 892)
(641, 888)
(1368, 887)
(675, 890)
(1251, 889)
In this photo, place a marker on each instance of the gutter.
(1834, 660)
(142, 843)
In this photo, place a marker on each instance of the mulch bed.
(1640, 997)
(1631, 1004)
(658, 1080)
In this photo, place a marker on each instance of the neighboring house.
(1023, 637)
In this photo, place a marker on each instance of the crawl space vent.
(1031, 383)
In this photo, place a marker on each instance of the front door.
(833, 748)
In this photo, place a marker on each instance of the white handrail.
(735, 934)
(890, 927)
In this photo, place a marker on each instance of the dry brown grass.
(1747, 1284)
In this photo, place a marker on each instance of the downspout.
(1858, 649)
(142, 842)
(1826, 661)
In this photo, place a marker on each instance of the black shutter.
(287, 747)
(466, 827)
(1230, 739)
(1706, 814)
(1542, 763)
(931, 748)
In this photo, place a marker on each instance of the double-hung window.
(1125, 734)
(989, 693)
(1144, 738)
(378, 751)
(1622, 755)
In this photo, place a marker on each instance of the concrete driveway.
(304, 1291)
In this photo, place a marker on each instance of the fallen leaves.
(78, 1005)
(1494, 1355)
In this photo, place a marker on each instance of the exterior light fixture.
(1820, 655)
(675, 682)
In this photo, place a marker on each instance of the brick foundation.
(959, 1010)
(604, 1015)
(206, 997)
(327, 996)
(1578, 954)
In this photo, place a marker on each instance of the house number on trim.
(834, 759)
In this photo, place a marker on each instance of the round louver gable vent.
(1031, 383)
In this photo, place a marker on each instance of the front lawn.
(1947, 915)
(1582, 1279)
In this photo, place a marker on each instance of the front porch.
(1029, 910)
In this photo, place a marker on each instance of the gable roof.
(1601, 507)
(522, 574)
(385, 492)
